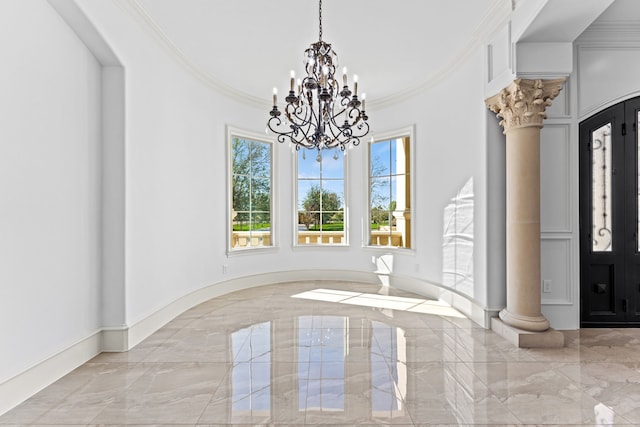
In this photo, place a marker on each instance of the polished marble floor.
(331, 353)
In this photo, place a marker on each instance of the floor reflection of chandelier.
(318, 114)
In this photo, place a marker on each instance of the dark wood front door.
(609, 222)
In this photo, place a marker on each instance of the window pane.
(308, 165)
(320, 198)
(332, 165)
(393, 146)
(601, 188)
(251, 193)
(260, 159)
(309, 195)
(380, 159)
(389, 193)
(260, 220)
(380, 193)
(261, 194)
(241, 221)
(241, 192)
(240, 156)
(333, 195)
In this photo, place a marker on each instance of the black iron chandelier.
(318, 114)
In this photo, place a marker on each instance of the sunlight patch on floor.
(415, 305)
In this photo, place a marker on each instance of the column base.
(526, 323)
(526, 339)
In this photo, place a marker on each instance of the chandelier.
(318, 114)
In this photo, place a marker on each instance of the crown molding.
(496, 15)
(606, 32)
(141, 16)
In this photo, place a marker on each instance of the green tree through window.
(320, 198)
(390, 192)
(251, 193)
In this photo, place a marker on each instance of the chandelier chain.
(320, 18)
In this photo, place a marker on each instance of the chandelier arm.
(305, 127)
(281, 136)
(275, 124)
(300, 117)
(362, 128)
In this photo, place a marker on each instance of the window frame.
(345, 178)
(406, 132)
(248, 135)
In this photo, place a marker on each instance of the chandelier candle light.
(317, 113)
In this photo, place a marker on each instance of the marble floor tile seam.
(143, 363)
(286, 424)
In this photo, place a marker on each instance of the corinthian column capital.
(523, 103)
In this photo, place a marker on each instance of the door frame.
(625, 312)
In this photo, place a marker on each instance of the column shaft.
(523, 230)
(522, 107)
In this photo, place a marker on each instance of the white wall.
(176, 176)
(449, 155)
(49, 187)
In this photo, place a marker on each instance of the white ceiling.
(395, 47)
(622, 11)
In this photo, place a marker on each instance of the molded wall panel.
(555, 191)
(555, 259)
(499, 61)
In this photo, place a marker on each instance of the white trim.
(86, 31)
(115, 339)
(27, 383)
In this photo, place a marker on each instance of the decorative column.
(521, 106)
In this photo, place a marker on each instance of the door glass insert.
(601, 189)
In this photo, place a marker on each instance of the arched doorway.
(609, 217)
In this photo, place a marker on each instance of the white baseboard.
(115, 339)
(148, 325)
(26, 384)
(123, 338)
